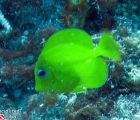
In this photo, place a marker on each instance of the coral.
(129, 43)
(94, 15)
(43, 106)
(75, 12)
(5, 24)
(127, 14)
(126, 107)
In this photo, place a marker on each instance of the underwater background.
(25, 25)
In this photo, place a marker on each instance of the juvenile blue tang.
(69, 62)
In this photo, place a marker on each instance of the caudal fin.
(108, 47)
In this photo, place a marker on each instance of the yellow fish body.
(70, 63)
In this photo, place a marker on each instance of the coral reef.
(24, 28)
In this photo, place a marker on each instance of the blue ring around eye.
(42, 73)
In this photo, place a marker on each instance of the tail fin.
(108, 47)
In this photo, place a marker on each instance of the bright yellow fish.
(70, 63)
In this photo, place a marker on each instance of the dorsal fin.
(69, 36)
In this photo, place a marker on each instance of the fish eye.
(42, 73)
